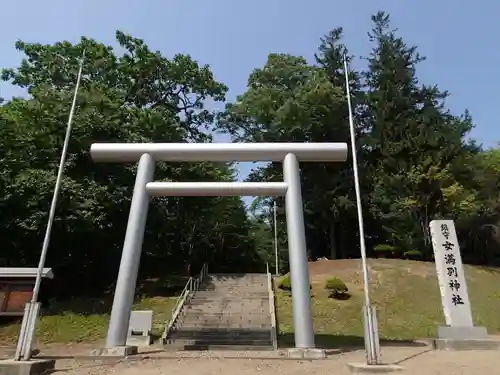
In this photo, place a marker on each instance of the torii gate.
(147, 153)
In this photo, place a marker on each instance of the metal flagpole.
(370, 319)
(276, 258)
(27, 332)
(53, 205)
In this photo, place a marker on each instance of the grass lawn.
(405, 293)
(85, 320)
(67, 324)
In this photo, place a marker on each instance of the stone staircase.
(227, 312)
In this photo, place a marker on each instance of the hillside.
(406, 295)
(405, 292)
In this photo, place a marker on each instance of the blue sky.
(459, 38)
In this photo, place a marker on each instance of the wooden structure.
(16, 288)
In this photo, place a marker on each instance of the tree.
(289, 100)
(416, 147)
(138, 96)
(480, 227)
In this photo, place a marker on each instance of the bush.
(286, 284)
(335, 284)
(392, 251)
(387, 250)
(412, 255)
(337, 288)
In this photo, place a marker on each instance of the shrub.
(412, 254)
(286, 284)
(335, 284)
(387, 250)
(337, 288)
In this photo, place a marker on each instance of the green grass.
(62, 324)
(406, 295)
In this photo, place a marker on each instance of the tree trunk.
(333, 243)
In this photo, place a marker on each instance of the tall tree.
(289, 100)
(415, 145)
(137, 96)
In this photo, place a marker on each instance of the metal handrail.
(192, 286)
(272, 308)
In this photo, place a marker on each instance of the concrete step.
(222, 319)
(237, 281)
(234, 291)
(222, 346)
(227, 311)
(233, 286)
(232, 295)
(220, 340)
(217, 301)
(237, 277)
(240, 283)
(229, 295)
(232, 315)
(225, 298)
(233, 282)
(220, 314)
(205, 312)
(225, 320)
(222, 325)
(194, 339)
(196, 305)
(211, 284)
(233, 333)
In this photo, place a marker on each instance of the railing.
(272, 308)
(192, 285)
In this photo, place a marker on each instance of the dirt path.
(415, 361)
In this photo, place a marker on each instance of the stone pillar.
(131, 255)
(299, 270)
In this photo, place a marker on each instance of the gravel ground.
(415, 361)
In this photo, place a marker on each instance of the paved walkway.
(415, 361)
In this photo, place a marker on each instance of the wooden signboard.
(16, 288)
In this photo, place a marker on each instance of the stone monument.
(459, 332)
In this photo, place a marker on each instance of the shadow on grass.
(343, 343)
(79, 305)
(101, 304)
(490, 269)
(162, 287)
(146, 288)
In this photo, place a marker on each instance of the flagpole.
(276, 258)
(52, 212)
(370, 322)
(29, 321)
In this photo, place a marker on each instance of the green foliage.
(337, 288)
(386, 249)
(285, 283)
(408, 309)
(412, 254)
(335, 285)
(417, 162)
(138, 95)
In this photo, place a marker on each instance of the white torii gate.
(147, 153)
